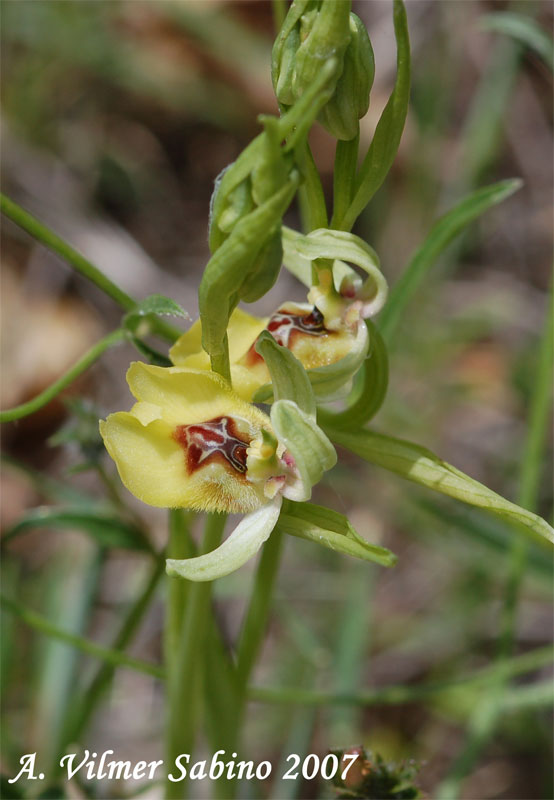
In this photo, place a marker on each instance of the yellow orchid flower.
(191, 442)
(299, 327)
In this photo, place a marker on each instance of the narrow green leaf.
(331, 529)
(288, 376)
(386, 140)
(524, 30)
(402, 693)
(421, 466)
(107, 529)
(47, 628)
(441, 234)
(490, 533)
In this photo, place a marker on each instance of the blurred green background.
(117, 117)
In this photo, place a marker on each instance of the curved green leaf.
(524, 30)
(421, 466)
(331, 529)
(107, 529)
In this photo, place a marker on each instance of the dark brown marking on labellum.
(214, 439)
(284, 326)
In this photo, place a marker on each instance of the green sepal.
(155, 304)
(330, 529)
(299, 252)
(417, 464)
(288, 377)
(312, 451)
(350, 101)
(370, 387)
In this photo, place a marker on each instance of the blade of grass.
(522, 28)
(43, 625)
(441, 234)
(396, 695)
(84, 706)
(67, 595)
(352, 643)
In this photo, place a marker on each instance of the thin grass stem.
(58, 386)
(41, 233)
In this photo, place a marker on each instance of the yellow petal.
(186, 396)
(153, 466)
(242, 331)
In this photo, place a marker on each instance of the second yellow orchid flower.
(299, 327)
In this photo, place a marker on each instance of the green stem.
(530, 473)
(344, 177)
(44, 626)
(221, 363)
(310, 194)
(58, 386)
(55, 243)
(185, 654)
(396, 695)
(255, 620)
(250, 642)
(80, 264)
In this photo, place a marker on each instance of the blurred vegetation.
(117, 117)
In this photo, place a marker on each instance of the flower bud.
(350, 100)
(312, 34)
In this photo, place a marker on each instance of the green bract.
(313, 33)
(247, 206)
(350, 100)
